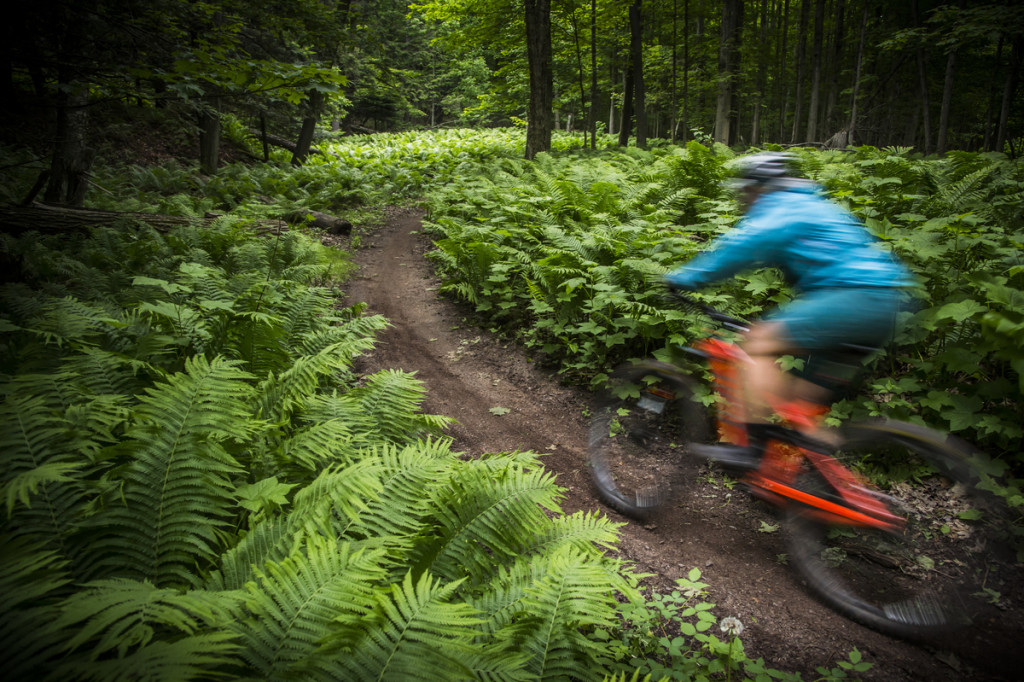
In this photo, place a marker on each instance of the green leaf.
(267, 494)
(958, 312)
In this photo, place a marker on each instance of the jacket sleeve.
(752, 243)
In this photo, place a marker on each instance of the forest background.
(928, 75)
(196, 482)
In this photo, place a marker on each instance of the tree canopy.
(925, 74)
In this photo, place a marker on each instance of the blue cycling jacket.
(816, 243)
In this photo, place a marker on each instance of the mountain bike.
(896, 559)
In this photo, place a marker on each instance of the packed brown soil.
(727, 535)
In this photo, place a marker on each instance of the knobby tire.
(638, 435)
(912, 582)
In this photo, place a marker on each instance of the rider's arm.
(754, 242)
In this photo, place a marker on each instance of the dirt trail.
(468, 371)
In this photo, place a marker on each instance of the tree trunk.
(626, 119)
(674, 119)
(922, 77)
(781, 71)
(686, 70)
(735, 61)
(1009, 90)
(593, 75)
(69, 167)
(538, 52)
(852, 127)
(314, 107)
(947, 100)
(801, 67)
(639, 93)
(812, 111)
(762, 71)
(836, 65)
(994, 87)
(726, 53)
(209, 139)
(583, 90)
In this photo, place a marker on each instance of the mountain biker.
(848, 290)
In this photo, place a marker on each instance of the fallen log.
(50, 219)
(323, 221)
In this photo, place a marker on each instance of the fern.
(390, 400)
(485, 513)
(555, 613)
(32, 578)
(415, 631)
(176, 489)
(401, 509)
(299, 603)
(544, 606)
(116, 615)
(328, 506)
(281, 395)
(42, 474)
(164, 660)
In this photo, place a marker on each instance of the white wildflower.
(731, 626)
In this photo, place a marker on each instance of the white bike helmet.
(768, 171)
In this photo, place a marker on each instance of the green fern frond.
(185, 658)
(391, 399)
(337, 497)
(583, 530)
(567, 597)
(486, 514)
(358, 331)
(314, 447)
(343, 409)
(177, 484)
(109, 615)
(401, 506)
(280, 395)
(966, 193)
(64, 321)
(271, 539)
(301, 601)
(32, 579)
(329, 505)
(415, 632)
(42, 471)
(99, 371)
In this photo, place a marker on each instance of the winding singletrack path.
(469, 371)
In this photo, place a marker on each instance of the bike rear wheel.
(913, 580)
(638, 435)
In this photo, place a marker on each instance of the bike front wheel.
(913, 579)
(638, 435)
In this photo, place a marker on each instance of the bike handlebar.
(724, 319)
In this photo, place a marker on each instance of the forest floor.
(468, 371)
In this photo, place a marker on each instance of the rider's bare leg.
(764, 380)
(762, 377)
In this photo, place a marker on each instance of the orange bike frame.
(774, 478)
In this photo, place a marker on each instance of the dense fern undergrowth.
(568, 251)
(198, 484)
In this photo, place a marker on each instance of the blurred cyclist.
(848, 290)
